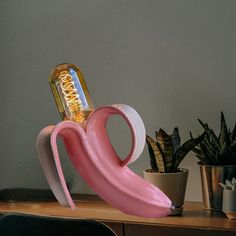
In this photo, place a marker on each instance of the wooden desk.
(194, 221)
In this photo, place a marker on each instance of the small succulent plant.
(166, 152)
(229, 185)
(217, 150)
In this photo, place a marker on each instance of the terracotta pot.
(172, 184)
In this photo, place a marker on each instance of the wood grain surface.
(92, 207)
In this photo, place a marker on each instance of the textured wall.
(173, 61)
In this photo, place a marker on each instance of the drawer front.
(155, 230)
(118, 228)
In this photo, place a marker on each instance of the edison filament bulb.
(70, 92)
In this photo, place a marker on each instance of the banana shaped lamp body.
(93, 156)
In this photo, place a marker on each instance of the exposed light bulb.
(70, 92)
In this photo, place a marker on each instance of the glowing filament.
(71, 96)
(70, 93)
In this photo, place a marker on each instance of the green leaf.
(211, 152)
(204, 125)
(202, 159)
(165, 145)
(184, 149)
(218, 158)
(211, 135)
(227, 155)
(212, 145)
(162, 136)
(157, 161)
(204, 153)
(233, 146)
(233, 134)
(176, 140)
(224, 134)
(191, 136)
(153, 164)
(233, 158)
(196, 151)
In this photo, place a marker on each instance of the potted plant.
(229, 196)
(217, 155)
(166, 153)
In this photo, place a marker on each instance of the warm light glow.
(70, 93)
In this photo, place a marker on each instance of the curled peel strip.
(93, 156)
(52, 168)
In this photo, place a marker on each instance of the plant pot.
(229, 203)
(211, 176)
(172, 184)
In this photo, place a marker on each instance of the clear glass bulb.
(70, 92)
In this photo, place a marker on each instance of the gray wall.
(173, 61)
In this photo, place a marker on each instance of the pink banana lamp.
(85, 137)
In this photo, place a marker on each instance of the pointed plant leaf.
(210, 150)
(156, 134)
(218, 158)
(156, 153)
(176, 140)
(212, 145)
(233, 146)
(164, 142)
(222, 117)
(214, 139)
(224, 134)
(196, 151)
(191, 136)
(204, 125)
(233, 134)
(150, 144)
(202, 159)
(161, 136)
(226, 154)
(211, 134)
(204, 153)
(184, 149)
(233, 158)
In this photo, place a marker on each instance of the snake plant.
(217, 150)
(166, 152)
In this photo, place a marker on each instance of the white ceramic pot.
(229, 203)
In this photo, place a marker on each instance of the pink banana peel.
(93, 156)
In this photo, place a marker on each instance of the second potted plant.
(217, 155)
(166, 153)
